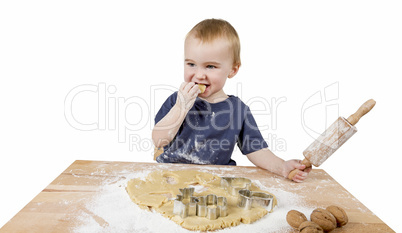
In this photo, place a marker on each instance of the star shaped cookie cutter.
(210, 206)
(185, 204)
(248, 199)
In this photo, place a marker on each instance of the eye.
(211, 67)
(190, 64)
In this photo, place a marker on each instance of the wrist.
(285, 170)
(181, 109)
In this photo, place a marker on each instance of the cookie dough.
(159, 189)
(202, 87)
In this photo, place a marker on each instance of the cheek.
(187, 75)
(221, 82)
(220, 77)
(218, 81)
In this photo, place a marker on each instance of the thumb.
(298, 165)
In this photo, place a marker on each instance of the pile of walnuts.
(322, 220)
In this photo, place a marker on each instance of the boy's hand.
(290, 165)
(187, 94)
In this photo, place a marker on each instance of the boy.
(203, 128)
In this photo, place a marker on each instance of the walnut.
(324, 219)
(295, 218)
(310, 227)
(339, 214)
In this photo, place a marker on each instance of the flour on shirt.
(193, 158)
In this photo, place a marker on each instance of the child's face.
(208, 63)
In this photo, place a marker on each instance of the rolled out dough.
(159, 189)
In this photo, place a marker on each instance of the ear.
(234, 70)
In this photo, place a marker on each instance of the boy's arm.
(166, 129)
(264, 158)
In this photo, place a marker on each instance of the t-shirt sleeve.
(166, 106)
(250, 138)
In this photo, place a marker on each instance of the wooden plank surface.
(57, 207)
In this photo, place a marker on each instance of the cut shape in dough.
(157, 192)
(202, 87)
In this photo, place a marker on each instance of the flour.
(113, 211)
(189, 156)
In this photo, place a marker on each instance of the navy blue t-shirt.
(210, 132)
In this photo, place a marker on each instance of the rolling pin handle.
(292, 174)
(295, 171)
(363, 110)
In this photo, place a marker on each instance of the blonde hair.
(210, 29)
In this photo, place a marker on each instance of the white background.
(347, 51)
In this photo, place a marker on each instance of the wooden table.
(55, 208)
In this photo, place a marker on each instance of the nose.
(200, 73)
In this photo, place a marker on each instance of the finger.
(303, 174)
(300, 176)
(296, 163)
(301, 166)
(189, 87)
(307, 170)
(195, 90)
(184, 87)
(183, 84)
(297, 179)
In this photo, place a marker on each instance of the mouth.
(202, 84)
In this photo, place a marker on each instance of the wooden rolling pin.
(333, 138)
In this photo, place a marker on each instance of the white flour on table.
(113, 211)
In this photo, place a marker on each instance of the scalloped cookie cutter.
(234, 184)
(248, 199)
(210, 206)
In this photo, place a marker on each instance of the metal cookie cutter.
(212, 207)
(248, 199)
(185, 204)
(234, 184)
